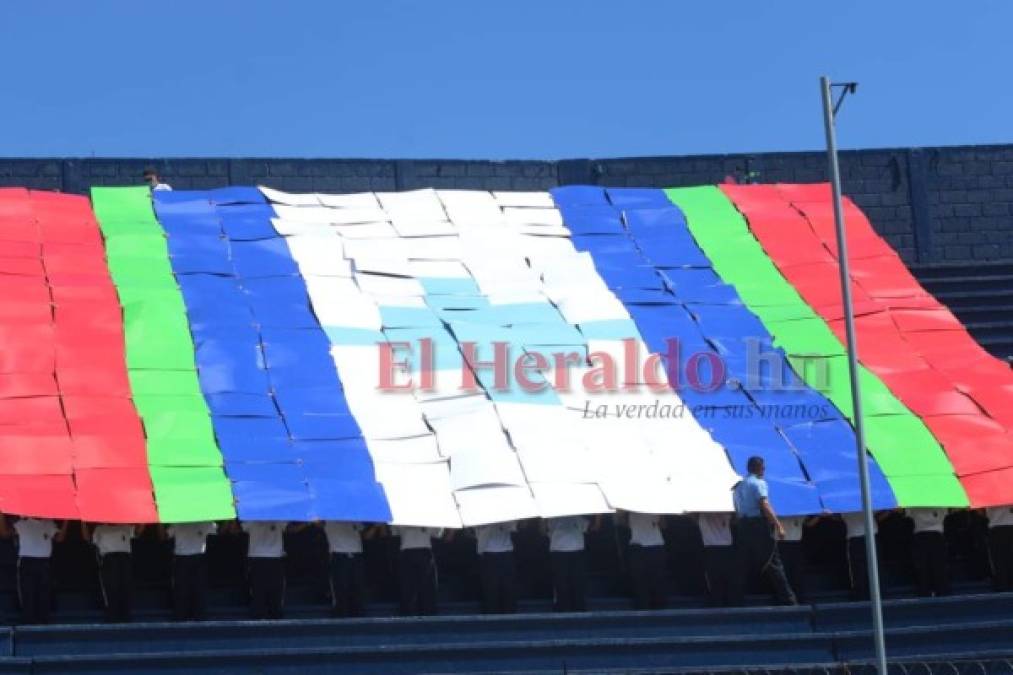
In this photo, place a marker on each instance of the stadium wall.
(934, 205)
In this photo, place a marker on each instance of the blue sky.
(494, 78)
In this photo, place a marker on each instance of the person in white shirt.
(347, 575)
(495, 546)
(858, 566)
(152, 178)
(569, 568)
(267, 572)
(417, 569)
(112, 544)
(928, 549)
(723, 578)
(793, 553)
(189, 569)
(35, 546)
(647, 560)
(1000, 546)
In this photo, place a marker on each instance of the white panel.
(568, 499)
(419, 494)
(530, 199)
(359, 200)
(481, 506)
(288, 198)
(483, 467)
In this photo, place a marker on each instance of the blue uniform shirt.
(747, 496)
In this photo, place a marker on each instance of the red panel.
(40, 496)
(35, 454)
(131, 501)
(991, 488)
(919, 349)
(65, 411)
(110, 451)
(14, 385)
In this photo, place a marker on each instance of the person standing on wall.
(569, 566)
(347, 575)
(1000, 546)
(647, 557)
(719, 558)
(152, 178)
(495, 547)
(35, 547)
(417, 569)
(793, 554)
(928, 550)
(266, 568)
(756, 526)
(112, 544)
(189, 569)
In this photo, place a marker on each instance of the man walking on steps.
(755, 528)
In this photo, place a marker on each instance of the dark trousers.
(722, 575)
(116, 580)
(569, 581)
(858, 568)
(189, 587)
(793, 555)
(931, 573)
(758, 550)
(1000, 550)
(34, 589)
(417, 569)
(348, 584)
(267, 588)
(499, 583)
(647, 576)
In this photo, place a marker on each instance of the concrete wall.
(952, 204)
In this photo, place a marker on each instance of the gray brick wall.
(932, 204)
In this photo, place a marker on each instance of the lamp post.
(830, 109)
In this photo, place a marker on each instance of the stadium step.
(666, 641)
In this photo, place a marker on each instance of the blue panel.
(263, 258)
(183, 225)
(228, 429)
(241, 227)
(317, 427)
(257, 450)
(623, 277)
(349, 501)
(843, 495)
(661, 221)
(644, 296)
(303, 401)
(341, 460)
(234, 404)
(592, 219)
(288, 474)
(641, 198)
(604, 243)
(744, 423)
(236, 195)
(271, 501)
(255, 335)
(578, 194)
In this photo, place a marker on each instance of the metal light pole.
(829, 111)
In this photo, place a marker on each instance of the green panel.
(183, 458)
(192, 494)
(164, 382)
(910, 457)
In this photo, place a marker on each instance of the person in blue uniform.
(756, 526)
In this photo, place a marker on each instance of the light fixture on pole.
(830, 109)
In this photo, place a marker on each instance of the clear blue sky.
(495, 78)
